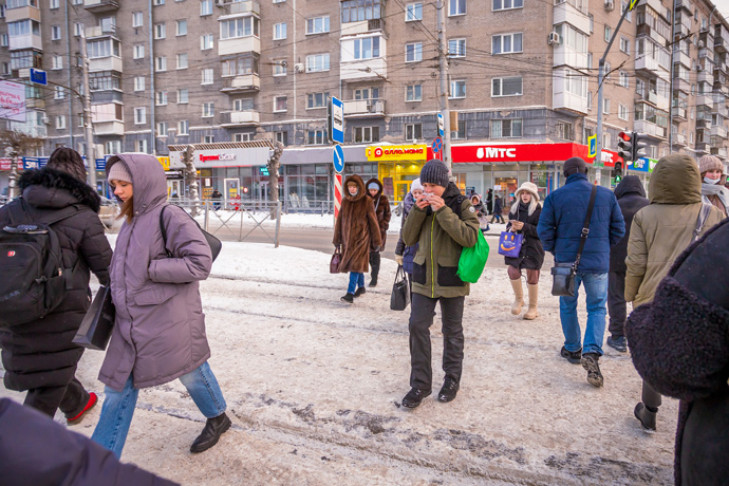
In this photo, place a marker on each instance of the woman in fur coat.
(358, 233)
(382, 211)
(523, 218)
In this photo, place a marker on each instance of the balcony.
(644, 62)
(682, 85)
(565, 12)
(364, 108)
(647, 30)
(683, 58)
(719, 152)
(237, 8)
(719, 131)
(567, 56)
(661, 102)
(100, 31)
(570, 102)
(705, 53)
(704, 100)
(22, 13)
(101, 6)
(702, 147)
(362, 27)
(680, 113)
(28, 41)
(108, 127)
(649, 128)
(679, 139)
(240, 118)
(29, 128)
(248, 83)
(706, 77)
(721, 39)
(109, 63)
(35, 103)
(364, 69)
(239, 45)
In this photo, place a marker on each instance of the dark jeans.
(616, 303)
(422, 311)
(71, 399)
(650, 397)
(375, 263)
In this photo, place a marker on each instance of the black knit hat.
(575, 165)
(434, 172)
(69, 161)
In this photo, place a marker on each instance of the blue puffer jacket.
(564, 214)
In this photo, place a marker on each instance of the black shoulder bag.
(563, 274)
(214, 243)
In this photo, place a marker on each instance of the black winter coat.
(531, 255)
(40, 353)
(631, 198)
(36, 450)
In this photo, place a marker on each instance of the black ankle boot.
(210, 435)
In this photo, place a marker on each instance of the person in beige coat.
(660, 232)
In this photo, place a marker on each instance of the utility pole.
(671, 84)
(443, 65)
(90, 156)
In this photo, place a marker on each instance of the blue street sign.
(337, 120)
(37, 76)
(338, 158)
(437, 145)
(101, 164)
(441, 125)
(592, 142)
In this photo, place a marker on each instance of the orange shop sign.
(396, 152)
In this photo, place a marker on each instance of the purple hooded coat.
(159, 334)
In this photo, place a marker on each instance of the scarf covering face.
(717, 190)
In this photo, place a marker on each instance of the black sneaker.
(347, 298)
(571, 356)
(359, 291)
(618, 343)
(449, 390)
(646, 417)
(589, 362)
(373, 282)
(414, 397)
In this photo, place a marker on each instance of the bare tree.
(274, 164)
(15, 144)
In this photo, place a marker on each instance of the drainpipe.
(70, 81)
(151, 79)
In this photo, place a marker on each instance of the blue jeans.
(596, 286)
(118, 409)
(355, 280)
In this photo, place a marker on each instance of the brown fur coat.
(382, 210)
(356, 228)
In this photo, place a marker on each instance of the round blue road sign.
(338, 158)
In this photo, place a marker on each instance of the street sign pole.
(336, 135)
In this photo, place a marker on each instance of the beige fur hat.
(529, 187)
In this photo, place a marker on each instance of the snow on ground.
(313, 387)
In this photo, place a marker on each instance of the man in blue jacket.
(560, 227)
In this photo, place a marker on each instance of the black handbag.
(335, 261)
(400, 297)
(563, 273)
(97, 324)
(214, 243)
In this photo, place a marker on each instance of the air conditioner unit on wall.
(609, 5)
(299, 67)
(553, 38)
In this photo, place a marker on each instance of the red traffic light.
(627, 136)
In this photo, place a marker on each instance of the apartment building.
(522, 84)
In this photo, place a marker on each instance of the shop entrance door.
(232, 192)
(175, 188)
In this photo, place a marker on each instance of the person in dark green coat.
(442, 222)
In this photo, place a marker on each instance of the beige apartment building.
(522, 85)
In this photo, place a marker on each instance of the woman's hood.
(148, 179)
(360, 188)
(675, 180)
(629, 185)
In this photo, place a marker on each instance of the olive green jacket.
(440, 236)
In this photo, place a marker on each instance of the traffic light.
(618, 172)
(639, 145)
(625, 145)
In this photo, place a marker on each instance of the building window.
(458, 89)
(605, 106)
(624, 79)
(366, 134)
(413, 11)
(506, 4)
(511, 86)
(112, 147)
(279, 31)
(159, 2)
(457, 47)
(239, 67)
(414, 92)
(103, 48)
(182, 61)
(316, 100)
(241, 137)
(358, 10)
(279, 67)
(4, 40)
(317, 62)
(182, 27)
(138, 51)
(160, 31)
(565, 131)
(506, 43)
(139, 83)
(608, 33)
(141, 145)
(161, 98)
(54, 4)
(414, 52)
(104, 81)
(413, 131)
(505, 128)
(460, 132)
(137, 19)
(206, 7)
(140, 116)
(367, 48)
(209, 139)
(59, 93)
(317, 25)
(238, 27)
(160, 63)
(279, 104)
(207, 76)
(162, 129)
(60, 122)
(279, 1)
(315, 137)
(242, 104)
(281, 137)
(206, 42)
(625, 45)
(183, 127)
(55, 32)
(456, 7)
(366, 93)
(208, 109)
(623, 112)
(57, 62)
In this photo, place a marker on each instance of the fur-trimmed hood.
(361, 192)
(531, 188)
(379, 190)
(51, 188)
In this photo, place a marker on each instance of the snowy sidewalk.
(313, 388)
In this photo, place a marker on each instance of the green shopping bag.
(473, 260)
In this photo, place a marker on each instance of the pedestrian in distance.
(442, 222)
(477, 203)
(679, 345)
(524, 218)
(357, 233)
(382, 211)
(659, 233)
(498, 209)
(712, 183)
(404, 254)
(159, 331)
(631, 198)
(490, 200)
(560, 228)
(217, 196)
(39, 357)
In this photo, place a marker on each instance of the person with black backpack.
(50, 238)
